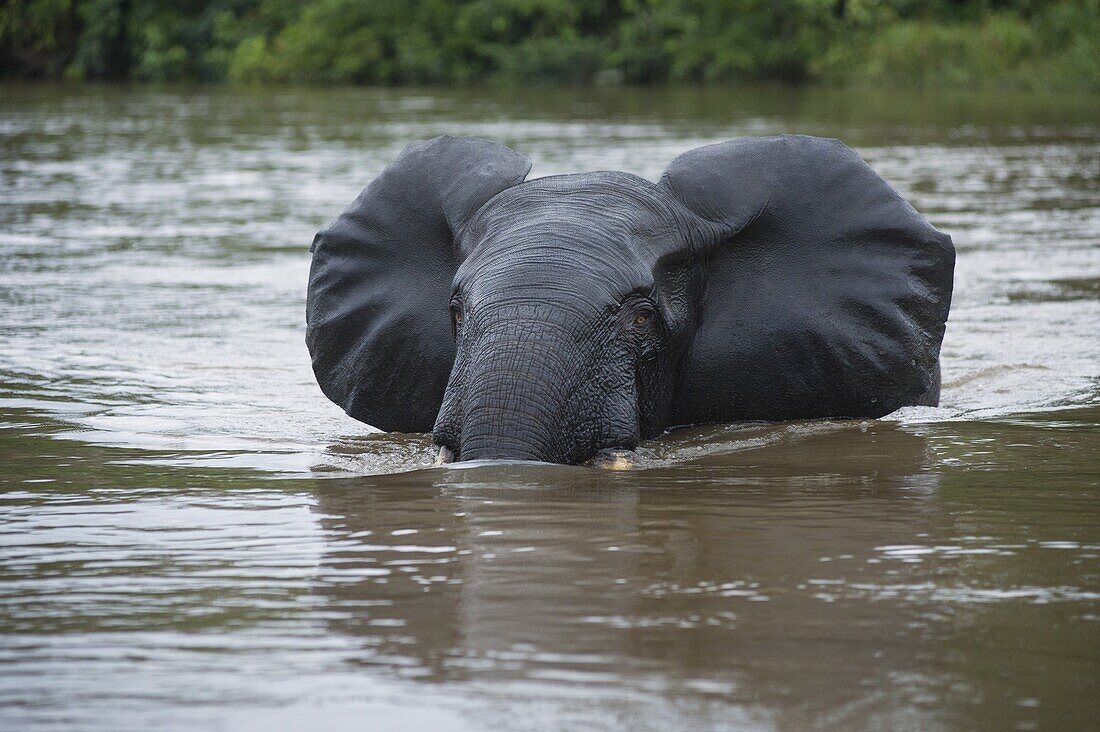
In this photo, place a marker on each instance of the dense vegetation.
(1019, 43)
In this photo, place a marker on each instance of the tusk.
(614, 460)
(445, 456)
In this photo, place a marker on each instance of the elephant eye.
(643, 315)
(456, 316)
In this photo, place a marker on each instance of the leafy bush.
(1023, 43)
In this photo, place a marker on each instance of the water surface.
(191, 535)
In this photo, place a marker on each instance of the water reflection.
(840, 574)
(595, 578)
(834, 577)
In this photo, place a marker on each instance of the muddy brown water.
(191, 536)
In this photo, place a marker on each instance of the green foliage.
(1019, 43)
(38, 35)
(1055, 47)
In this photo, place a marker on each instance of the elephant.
(553, 319)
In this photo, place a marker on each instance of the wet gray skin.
(193, 536)
(550, 363)
(591, 310)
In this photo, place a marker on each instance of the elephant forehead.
(608, 209)
(594, 227)
(554, 268)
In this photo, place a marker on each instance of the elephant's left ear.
(827, 293)
(377, 320)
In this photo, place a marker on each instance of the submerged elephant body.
(769, 278)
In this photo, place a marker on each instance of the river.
(191, 536)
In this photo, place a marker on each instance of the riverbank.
(1023, 45)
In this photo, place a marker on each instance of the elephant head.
(761, 279)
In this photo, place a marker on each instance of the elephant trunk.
(544, 397)
(520, 404)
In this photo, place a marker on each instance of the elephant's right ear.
(377, 320)
(827, 293)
